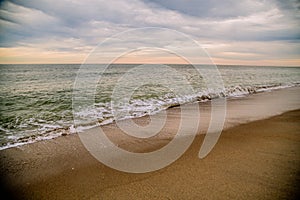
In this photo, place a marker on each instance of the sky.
(241, 32)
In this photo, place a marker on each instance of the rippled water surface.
(36, 100)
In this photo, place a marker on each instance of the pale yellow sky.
(23, 55)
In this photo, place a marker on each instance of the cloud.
(214, 8)
(77, 26)
(21, 24)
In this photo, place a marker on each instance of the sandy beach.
(149, 100)
(255, 158)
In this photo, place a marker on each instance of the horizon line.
(150, 64)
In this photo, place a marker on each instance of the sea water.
(36, 100)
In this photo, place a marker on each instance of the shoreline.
(256, 160)
(205, 107)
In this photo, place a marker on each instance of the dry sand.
(257, 160)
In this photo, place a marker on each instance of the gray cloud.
(213, 8)
(74, 25)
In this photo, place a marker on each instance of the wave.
(103, 113)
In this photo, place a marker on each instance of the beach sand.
(252, 160)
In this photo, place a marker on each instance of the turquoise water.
(36, 100)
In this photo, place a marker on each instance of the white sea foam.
(47, 118)
(138, 108)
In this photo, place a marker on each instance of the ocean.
(36, 101)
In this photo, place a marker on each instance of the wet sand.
(252, 160)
